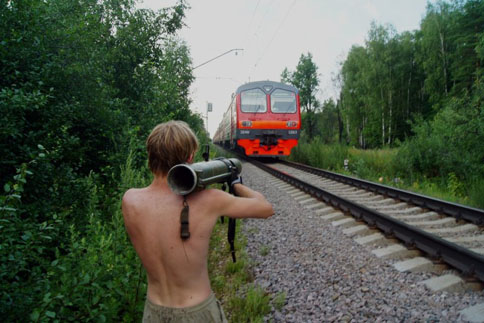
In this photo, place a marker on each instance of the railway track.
(431, 233)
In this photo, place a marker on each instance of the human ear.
(190, 159)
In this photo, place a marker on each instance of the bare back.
(176, 269)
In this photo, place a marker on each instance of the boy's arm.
(247, 204)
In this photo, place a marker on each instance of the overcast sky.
(273, 34)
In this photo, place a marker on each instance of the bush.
(373, 164)
(97, 275)
(25, 249)
(476, 193)
(317, 154)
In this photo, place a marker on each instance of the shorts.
(209, 310)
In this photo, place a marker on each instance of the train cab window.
(283, 101)
(253, 101)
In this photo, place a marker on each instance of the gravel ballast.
(327, 276)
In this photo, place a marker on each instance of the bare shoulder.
(131, 200)
(212, 196)
(215, 195)
(131, 195)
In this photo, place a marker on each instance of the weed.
(232, 282)
(454, 185)
(251, 307)
(264, 250)
(476, 193)
(279, 301)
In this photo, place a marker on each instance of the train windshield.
(253, 101)
(283, 101)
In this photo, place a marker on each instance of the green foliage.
(381, 88)
(279, 301)
(422, 91)
(327, 122)
(93, 275)
(373, 164)
(455, 186)
(316, 154)
(98, 277)
(81, 86)
(242, 300)
(434, 52)
(306, 80)
(252, 307)
(369, 164)
(85, 85)
(391, 167)
(465, 63)
(264, 250)
(450, 146)
(24, 246)
(476, 193)
(395, 78)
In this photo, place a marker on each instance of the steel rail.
(467, 261)
(458, 211)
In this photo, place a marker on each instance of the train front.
(268, 118)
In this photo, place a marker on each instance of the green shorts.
(209, 310)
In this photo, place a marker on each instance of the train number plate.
(292, 132)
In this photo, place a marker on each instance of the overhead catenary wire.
(233, 49)
(250, 23)
(272, 39)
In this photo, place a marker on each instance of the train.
(263, 120)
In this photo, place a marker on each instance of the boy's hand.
(237, 180)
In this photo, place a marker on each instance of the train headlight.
(291, 123)
(246, 123)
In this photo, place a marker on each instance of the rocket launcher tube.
(185, 178)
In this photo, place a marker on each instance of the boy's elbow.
(269, 211)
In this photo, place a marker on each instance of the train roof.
(266, 86)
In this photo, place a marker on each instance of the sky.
(272, 35)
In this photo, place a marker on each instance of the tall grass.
(387, 166)
(243, 301)
(375, 164)
(319, 155)
(476, 192)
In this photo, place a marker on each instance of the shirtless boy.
(178, 283)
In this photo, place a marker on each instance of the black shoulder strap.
(231, 230)
(184, 232)
(231, 237)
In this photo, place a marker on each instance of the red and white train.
(263, 119)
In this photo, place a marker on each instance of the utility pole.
(209, 109)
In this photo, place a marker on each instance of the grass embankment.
(233, 283)
(386, 166)
(243, 301)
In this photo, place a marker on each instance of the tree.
(327, 122)
(381, 87)
(468, 26)
(435, 51)
(355, 93)
(81, 84)
(286, 76)
(306, 80)
(338, 84)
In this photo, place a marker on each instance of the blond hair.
(170, 143)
